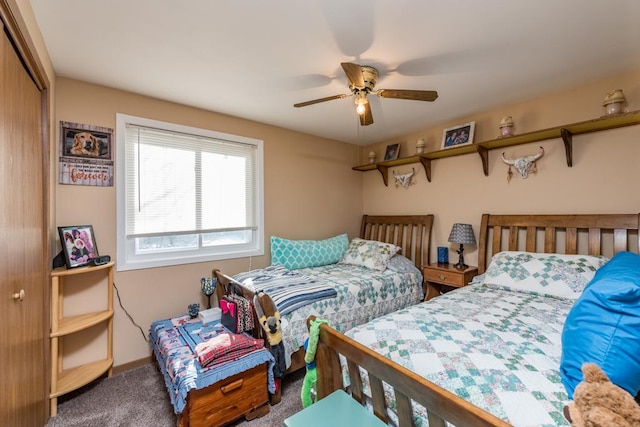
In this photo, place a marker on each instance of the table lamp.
(462, 234)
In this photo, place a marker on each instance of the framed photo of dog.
(86, 155)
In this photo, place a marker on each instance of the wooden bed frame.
(410, 232)
(577, 234)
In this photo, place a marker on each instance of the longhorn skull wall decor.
(405, 179)
(524, 165)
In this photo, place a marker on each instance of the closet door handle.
(19, 295)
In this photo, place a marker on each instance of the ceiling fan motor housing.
(370, 77)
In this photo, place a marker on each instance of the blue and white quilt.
(288, 289)
(496, 348)
(495, 343)
(361, 294)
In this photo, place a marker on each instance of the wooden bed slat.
(571, 245)
(356, 382)
(434, 420)
(594, 241)
(531, 239)
(549, 240)
(377, 397)
(620, 241)
(513, 238)
(403, 408)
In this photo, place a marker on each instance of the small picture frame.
(458, 135)
(78, 245)
(392, 152)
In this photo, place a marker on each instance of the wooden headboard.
(411, 232)
(589, 234)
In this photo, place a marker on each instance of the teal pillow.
(294, 254)
(603, 326)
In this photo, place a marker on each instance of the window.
(186, 195)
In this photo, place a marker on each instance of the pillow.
(556, 275)
(369, 253)
(294, 254)
(603, 326)
(402, 264)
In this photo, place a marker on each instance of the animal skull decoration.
(405, 178)
(523, 165)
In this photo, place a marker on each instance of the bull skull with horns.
(523, 165)
(405, 178)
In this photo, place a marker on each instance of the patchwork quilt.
(497, 348)
(362, 294)
(175, 343)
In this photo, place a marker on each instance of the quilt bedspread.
(362, 295)
(497, 348)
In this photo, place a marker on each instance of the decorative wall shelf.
(565, 132)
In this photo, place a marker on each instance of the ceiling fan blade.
(317, 101)
(416, 95)
(366, 118)
(354, 74)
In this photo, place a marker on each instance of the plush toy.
(270, 323)
(597, 402)
(310, 377)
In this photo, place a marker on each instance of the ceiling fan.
(362, 80)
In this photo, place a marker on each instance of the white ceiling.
(255, 59)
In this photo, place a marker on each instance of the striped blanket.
(288, 289)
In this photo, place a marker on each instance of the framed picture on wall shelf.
(78, 245)
(458, 135)
(392, 152)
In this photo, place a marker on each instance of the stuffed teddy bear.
(597, 402)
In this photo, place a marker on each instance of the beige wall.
(603, 179)
(310, 193)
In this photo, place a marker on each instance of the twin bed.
(487, 354)
(362, 293)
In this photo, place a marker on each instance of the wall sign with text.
(86, 155)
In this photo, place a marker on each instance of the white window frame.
(128, 259)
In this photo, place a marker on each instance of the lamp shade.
(462, 233)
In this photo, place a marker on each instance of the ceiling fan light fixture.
(361, 102)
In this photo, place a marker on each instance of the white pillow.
(557, 275)
(369, 253)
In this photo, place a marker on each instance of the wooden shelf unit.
(64, 381)
(565, 132)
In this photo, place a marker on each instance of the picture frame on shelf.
(458, 135)
(392, 152)
(78, 245)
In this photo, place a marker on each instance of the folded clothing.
(226, 347)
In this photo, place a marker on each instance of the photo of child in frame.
(78, 245)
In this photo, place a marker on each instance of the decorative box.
(210, 315)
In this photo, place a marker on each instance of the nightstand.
(439, 277)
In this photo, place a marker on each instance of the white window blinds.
(177, 183)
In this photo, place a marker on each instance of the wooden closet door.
(22, 246)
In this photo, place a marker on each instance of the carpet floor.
(138, 397)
